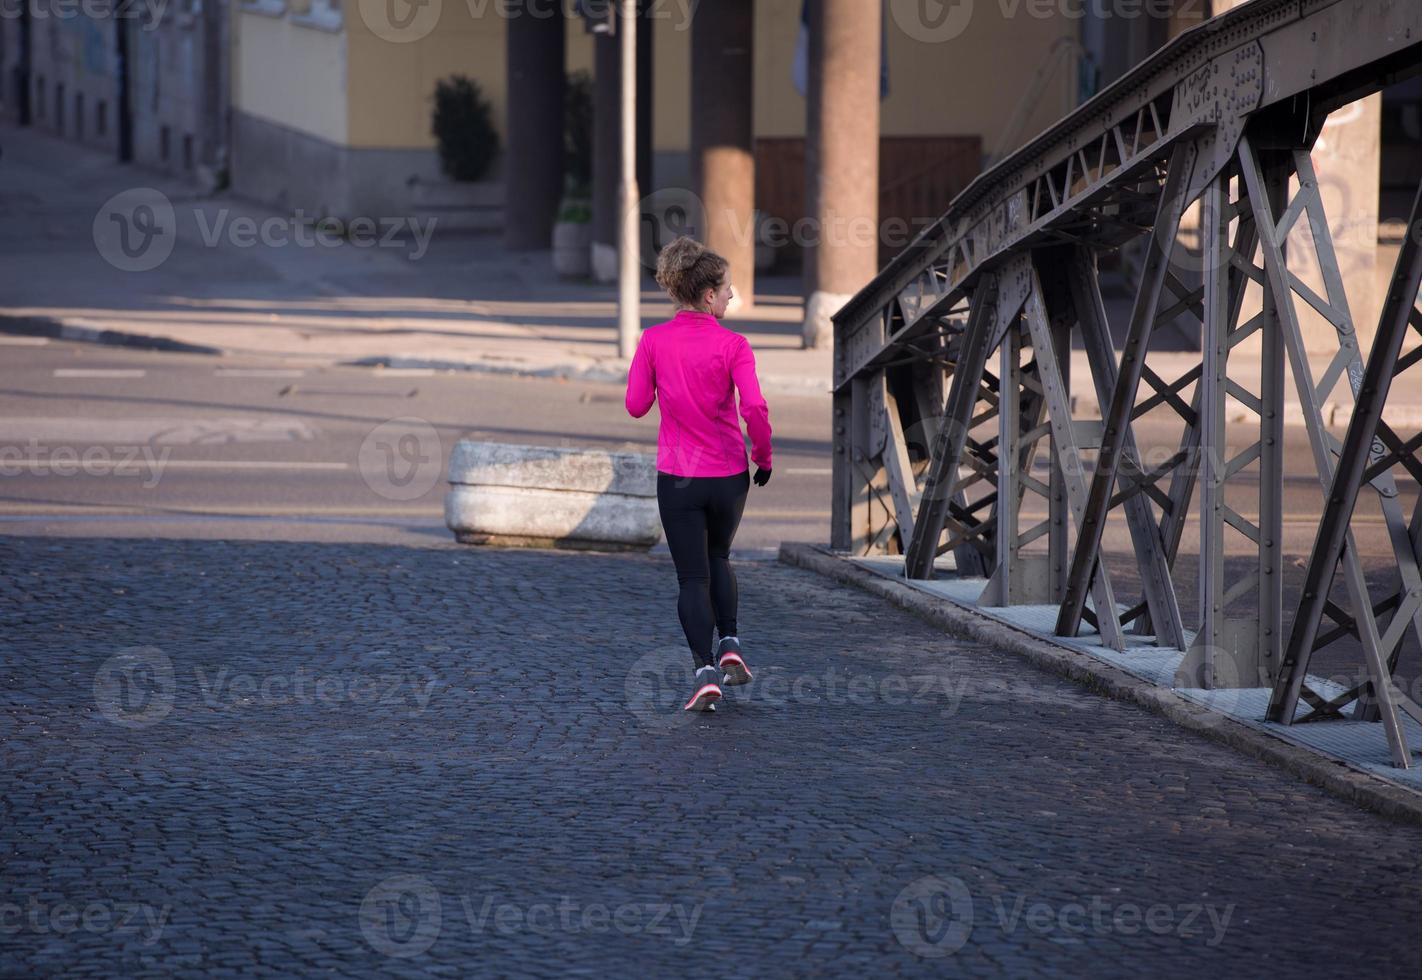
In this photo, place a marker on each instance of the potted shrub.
(572, 231)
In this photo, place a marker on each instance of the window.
(164, 143)
(101, 118)
(79, 115)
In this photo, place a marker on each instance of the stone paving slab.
(228, 758)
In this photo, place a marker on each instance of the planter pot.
(571, 245)
(536, 496)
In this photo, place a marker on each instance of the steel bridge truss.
(956, 433)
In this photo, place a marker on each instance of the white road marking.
(99, 372)
(12, 340)
(259, 372)
(404, 372)
(810, 470)
(160, 430)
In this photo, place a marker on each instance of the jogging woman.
(694, 366)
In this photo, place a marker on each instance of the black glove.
(762, 476)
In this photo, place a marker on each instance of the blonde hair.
(686, 269)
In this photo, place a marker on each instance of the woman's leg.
(726, 504)
(681, 501)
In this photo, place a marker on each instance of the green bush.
(578, 133)
(463, 126)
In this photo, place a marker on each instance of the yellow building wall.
(969, 84)
(291, 75)
(360, 89)
(392, 84)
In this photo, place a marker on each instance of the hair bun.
(686, 268)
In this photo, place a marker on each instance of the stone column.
(841, 159)
(722, 149)
(607, 118)
(533, 166)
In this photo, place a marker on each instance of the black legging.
(700, 515)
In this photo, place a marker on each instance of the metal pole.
(629, 315)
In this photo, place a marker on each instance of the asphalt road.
(111, 442)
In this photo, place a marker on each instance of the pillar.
(841, 159)
(533, 168)
(722, 151)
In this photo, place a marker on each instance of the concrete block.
(539, 496)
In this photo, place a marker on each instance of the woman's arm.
(753, 407)
(641, 383)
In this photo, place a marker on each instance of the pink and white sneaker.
(707, 690)
(731, 662)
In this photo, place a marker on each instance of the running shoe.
(732, 664)
(706, 691)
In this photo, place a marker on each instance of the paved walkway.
(361, 759)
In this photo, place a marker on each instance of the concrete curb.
(1330, 775)
(27, 326)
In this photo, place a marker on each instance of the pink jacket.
(695, 366)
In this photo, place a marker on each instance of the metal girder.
(1011, 267)
(953, 432)
(1272, 232)
(1118, 416)
(1210, 77)
(1361, 446)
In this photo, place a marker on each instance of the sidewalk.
(409, 296)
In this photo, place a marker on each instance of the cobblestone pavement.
(356, 759)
